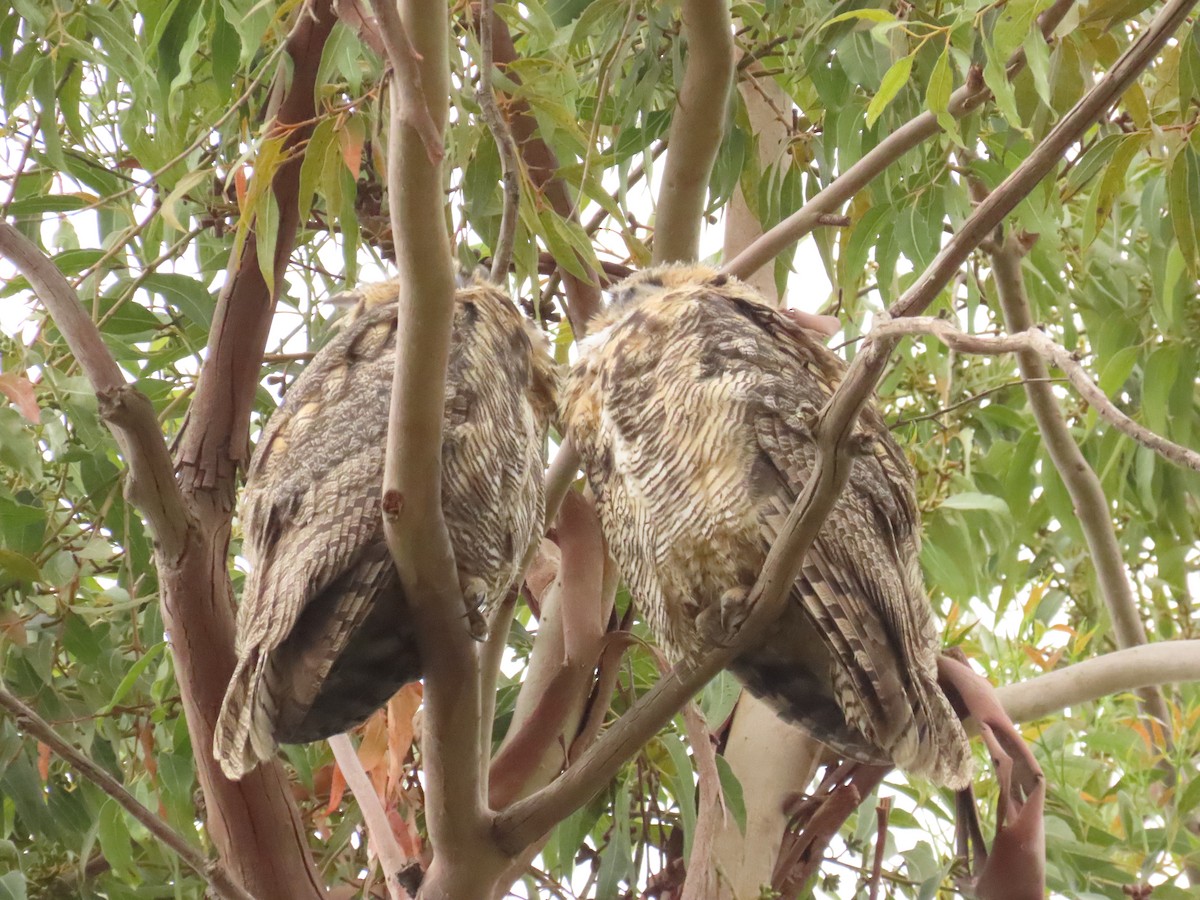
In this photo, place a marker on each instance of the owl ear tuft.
(718, 280)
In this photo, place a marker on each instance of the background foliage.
(134, 127)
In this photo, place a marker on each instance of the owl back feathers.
(324, 635)
(691, 406)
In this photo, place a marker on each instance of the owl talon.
(721, 622)
(477, 626)
(475, 597)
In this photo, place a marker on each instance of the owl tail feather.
(243, 737)
(941, 751)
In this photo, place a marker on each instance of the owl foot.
(721, 622)
(475, 596)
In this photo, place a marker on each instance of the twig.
(379, 830)
(1166, 662)
(696, 129)
(967, 401)
(529, 818)
(1037, 343)
(882, 811)
(507, 147)
(909, 135)
(1087, 494)
(210, 870)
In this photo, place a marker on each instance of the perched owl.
(691, 406)
(324, 635)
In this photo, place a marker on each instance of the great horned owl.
(324, 636)
(691, 406)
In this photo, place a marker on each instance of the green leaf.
(266, 235)
(937, 94)
(869, 15)
(131, 677)
(1118, 369)
(12, 886)
(1183, 193)
(731, 789)
(19, 566)
(115, 842)
(184, 293)
(683, 786)
(893, 79)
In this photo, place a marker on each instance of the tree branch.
(150, 483)
(1036, 345)
(524, 821)
(1093, 511)
(413, 521)
(912, 133)
(380, 836)
(507, 147)
(1165, 662)
(696, 130)
(210, 870)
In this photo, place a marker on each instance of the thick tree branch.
(210, 870)
(507, 147)
(150, 483)
(1094, 514)
(380, 836)
(526, 820)
(912, 133)
(213, 442)
(416, 529)
(696, 130)
(575, 609)
(1166, 662)
(1037, 346)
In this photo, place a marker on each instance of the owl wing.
(312, 531)
(860, 581)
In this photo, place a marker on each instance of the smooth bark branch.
(150, 483)
(417, 39)
(209, 869)
(562, 471)
(1033, 344)
(505, 145)
(696, 130)
(379, 830)
(526, 820)
(1166, 662)
(912, 133)
(1087, 495)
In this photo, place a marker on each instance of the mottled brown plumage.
(324, 636)
(691, 407)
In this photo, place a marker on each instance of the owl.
(324, 634)
(692, 404)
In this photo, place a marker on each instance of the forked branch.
(1039, 344)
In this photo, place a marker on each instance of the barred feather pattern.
(691, 406)
(324, 635)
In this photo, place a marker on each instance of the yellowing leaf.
(893, 79)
